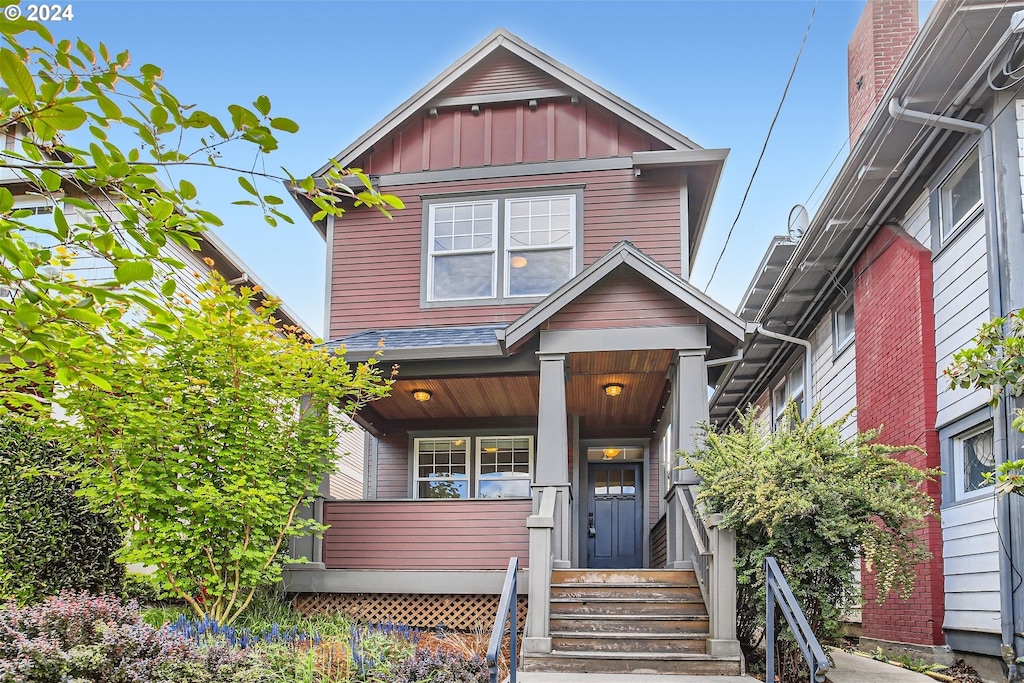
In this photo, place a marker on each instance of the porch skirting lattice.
(456, 612)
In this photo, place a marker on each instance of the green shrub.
(49, 539)
(814, 501)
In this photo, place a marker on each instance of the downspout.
(1000, 422)
(808, 360)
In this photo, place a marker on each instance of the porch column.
(690, 409)
(311, 547)
(553, 452)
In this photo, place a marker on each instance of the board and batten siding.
(375, 277)
(961, 307)
(501, 135)
(432, 534)
(970, 551)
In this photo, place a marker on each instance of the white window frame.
(501, 239)
(474, 448)
(417, 479)
(958, 462)
(791, 391)
(947, 231)
(839, 344)
(432, 253)
(478, 471)
(508, 249)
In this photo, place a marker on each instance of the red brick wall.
(885, 31)
(896, 387)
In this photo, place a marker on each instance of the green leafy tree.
(995, 362)
(814, 501)
(103, 142)
(50, 541)
(208, 440)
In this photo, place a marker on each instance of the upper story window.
(791, 388)
(842, 325)
(493, 250)
(973, 456)
(960, 197)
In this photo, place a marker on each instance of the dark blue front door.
(615, 515)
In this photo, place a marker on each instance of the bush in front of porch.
(815, 501)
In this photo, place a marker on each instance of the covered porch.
(553, 439)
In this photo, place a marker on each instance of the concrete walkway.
(856, 669)
(849, 669)
(542, 677)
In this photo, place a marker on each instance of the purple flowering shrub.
(101, 639)
(438, 666)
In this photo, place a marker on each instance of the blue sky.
(714, 71)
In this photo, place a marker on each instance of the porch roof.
(422, 343)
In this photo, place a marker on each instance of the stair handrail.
(777, 590)
(508, 608)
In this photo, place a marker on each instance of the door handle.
(591, 531)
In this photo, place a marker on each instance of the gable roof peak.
(501, 38)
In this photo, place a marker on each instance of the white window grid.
(441, 453)
(483, 455)
(789, 389)
(449, 237)
(536, 215)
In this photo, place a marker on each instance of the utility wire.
(764, 147)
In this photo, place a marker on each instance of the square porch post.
(690, 409)
(553, 452)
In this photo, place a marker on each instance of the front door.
(615, 515)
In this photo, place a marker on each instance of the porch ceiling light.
(613, 389)
(610, 453)
(518, 261)
(421, 395)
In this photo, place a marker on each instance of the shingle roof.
(419, 337)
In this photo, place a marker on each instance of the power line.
(764, 147)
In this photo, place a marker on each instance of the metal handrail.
(778, 590)
(508, 607)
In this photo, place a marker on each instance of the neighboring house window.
(501, 467)
(791, 388)
(468, 260)
(973, 456)
(842, 325)
(960, 197)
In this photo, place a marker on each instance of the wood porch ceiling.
(642, 374)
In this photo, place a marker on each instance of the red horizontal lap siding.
(500, 72)
(393, 465)
(375, 278)
(460, 535)
(622, 301)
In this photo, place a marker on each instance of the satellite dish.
(798, 222)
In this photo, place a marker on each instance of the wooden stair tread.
(626, 585)
(633, 617)
(681, 599)
(643, 656)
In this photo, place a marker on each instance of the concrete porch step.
(652, 643)
(632, 663)
(624, 577)
(630, 623)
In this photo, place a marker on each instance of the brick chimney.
(884, 33)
